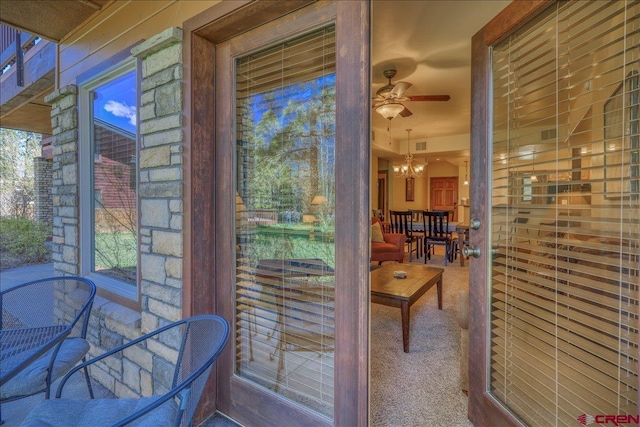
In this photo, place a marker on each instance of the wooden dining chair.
(436, 229)
(402, 222)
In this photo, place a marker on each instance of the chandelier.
(408, 170)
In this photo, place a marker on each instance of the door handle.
(471, 251)
(474, 224)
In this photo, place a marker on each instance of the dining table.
(419, 226)
(462, 228)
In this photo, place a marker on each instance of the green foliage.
(290, 246)
(17, 150)
(25, 238)
(116, 249)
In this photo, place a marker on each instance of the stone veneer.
(42, 171)
(139, 371)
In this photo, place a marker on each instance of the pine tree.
(17, 150)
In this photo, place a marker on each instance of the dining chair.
(402, 222)
(436, 228)
(198, 341)
(41, 341)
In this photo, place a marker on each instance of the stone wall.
(43, 175)
(64, 189)
(160, 192)
(138, 371)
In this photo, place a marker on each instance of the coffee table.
(387, 290)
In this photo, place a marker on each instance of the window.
(109, 176)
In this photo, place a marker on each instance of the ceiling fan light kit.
(389, 98)
(389, 110)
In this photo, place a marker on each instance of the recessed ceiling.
(428, 43)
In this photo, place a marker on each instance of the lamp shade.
(389, 111)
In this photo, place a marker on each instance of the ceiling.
(45, 19)
(428, 43)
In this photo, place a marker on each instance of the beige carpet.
(419, 388)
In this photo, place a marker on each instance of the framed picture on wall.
(410, 189)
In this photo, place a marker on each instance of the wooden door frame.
(484, 410)
(206, 245)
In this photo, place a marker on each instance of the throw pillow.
(376, 233)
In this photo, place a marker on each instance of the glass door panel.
(284, 210)
(564, 215)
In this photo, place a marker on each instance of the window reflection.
(285, 204)
(114, 178)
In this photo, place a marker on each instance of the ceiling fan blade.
(399, 88)
(406, 112)
(429, 98)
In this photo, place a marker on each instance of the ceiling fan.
(389, 98)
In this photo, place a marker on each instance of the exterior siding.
(119, 26)
(141, 371)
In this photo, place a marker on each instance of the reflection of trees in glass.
(287, 137)
(286, 157)
(115, 214)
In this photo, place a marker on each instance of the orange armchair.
(392, 249)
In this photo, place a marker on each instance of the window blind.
(565, 214)
(285, 252)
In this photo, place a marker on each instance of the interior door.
(444, 193)
(554, 291)
(287, 96)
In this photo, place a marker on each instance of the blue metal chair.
(199, 340)
(43, 333)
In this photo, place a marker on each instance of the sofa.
(389, 248)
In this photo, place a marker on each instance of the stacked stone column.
(160, 190)
(42, 171)
(64, 190)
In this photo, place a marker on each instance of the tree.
(17, 189)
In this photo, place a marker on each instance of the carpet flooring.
(419, 388)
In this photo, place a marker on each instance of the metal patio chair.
(197, 340)
(43, 334)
